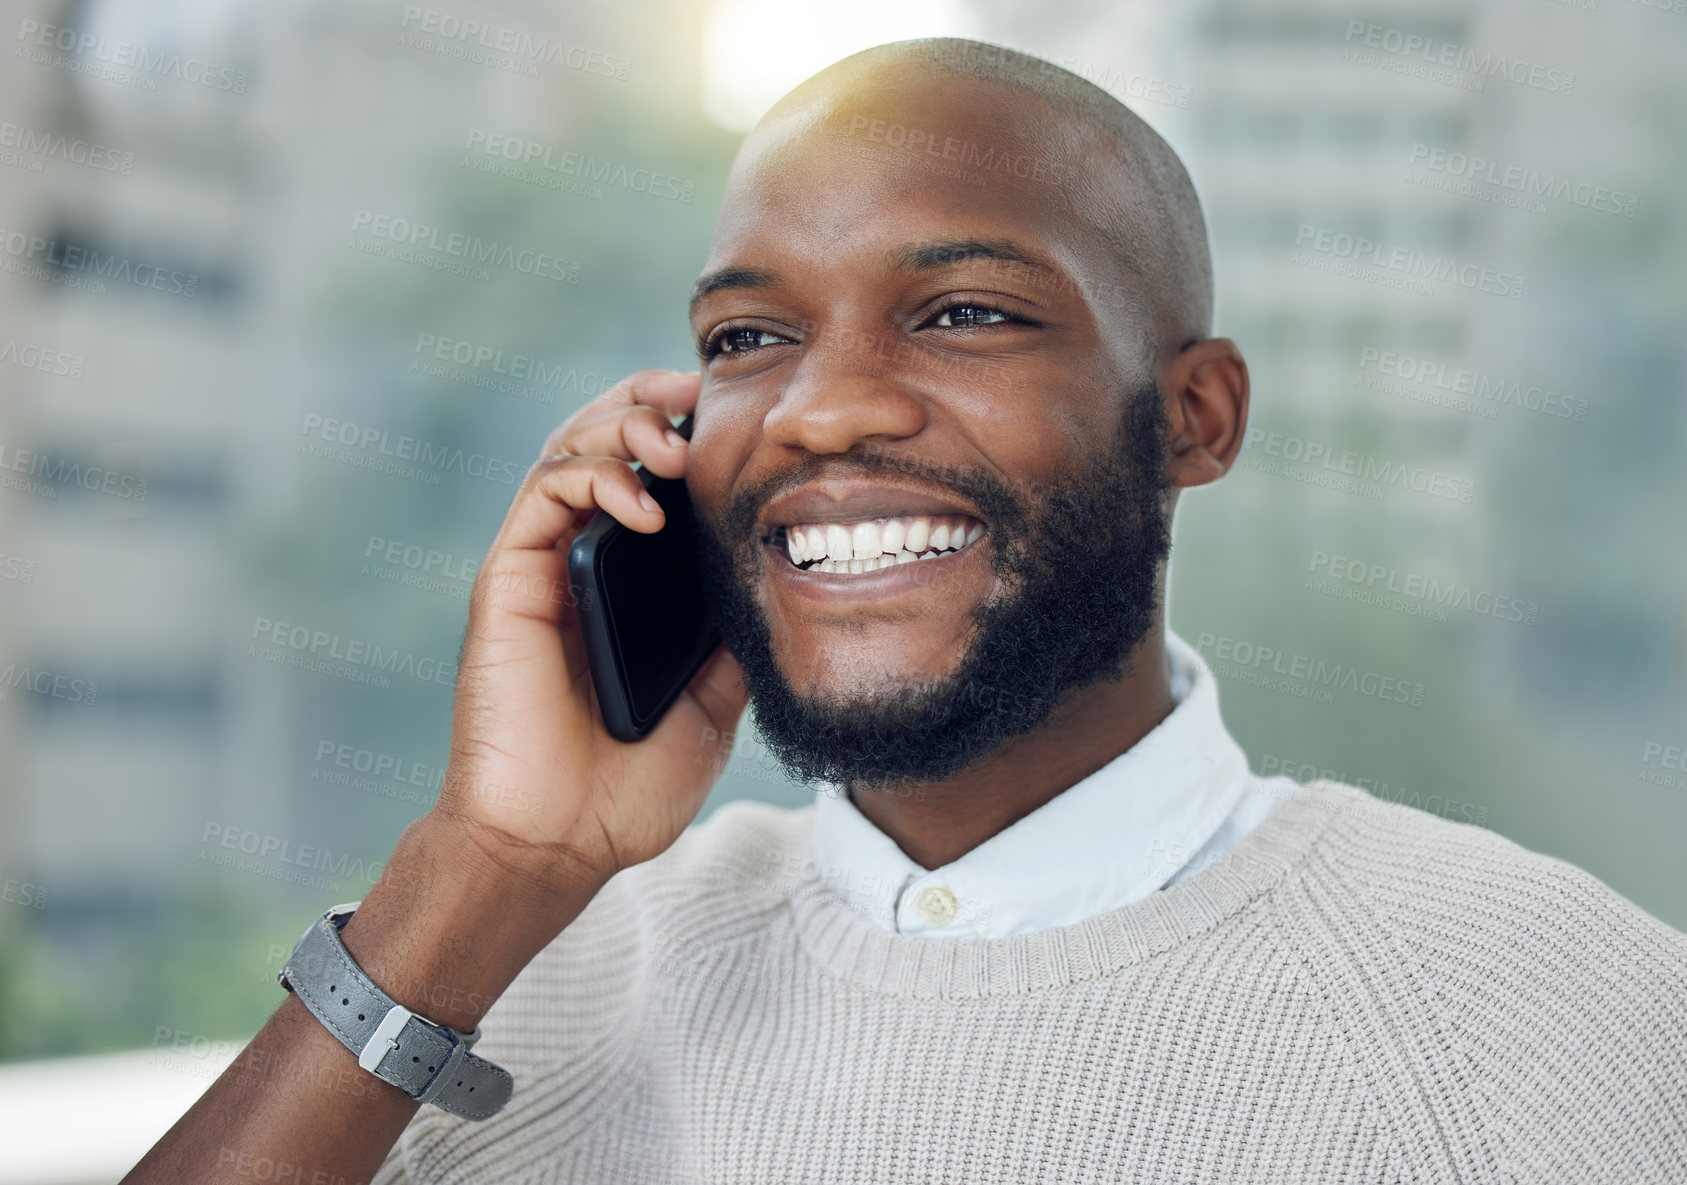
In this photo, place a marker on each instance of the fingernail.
(649, 503)
(675, 439)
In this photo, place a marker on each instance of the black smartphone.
(640, 604)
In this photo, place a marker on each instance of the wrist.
(448, 927)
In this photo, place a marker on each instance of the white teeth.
(866, 540)
(874, 544)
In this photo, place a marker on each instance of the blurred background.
(290, 295)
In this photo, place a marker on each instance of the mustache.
(1001, 505)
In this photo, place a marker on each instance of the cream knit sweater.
(1359, 992)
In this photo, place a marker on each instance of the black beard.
(1079, 583)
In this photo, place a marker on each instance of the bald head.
(951, 280)
(1112, 169)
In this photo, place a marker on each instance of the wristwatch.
(429, 1062)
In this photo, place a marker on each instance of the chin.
(859, 662)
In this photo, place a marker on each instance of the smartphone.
(647, 628)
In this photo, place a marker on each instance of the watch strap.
(427, 1061)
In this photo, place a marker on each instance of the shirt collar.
(1110, 839)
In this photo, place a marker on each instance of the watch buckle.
(385, 1037)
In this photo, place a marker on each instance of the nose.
(847, 388)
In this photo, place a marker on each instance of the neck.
(936, 823)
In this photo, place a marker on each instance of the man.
(1044, 926)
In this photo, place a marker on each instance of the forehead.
(851, 178)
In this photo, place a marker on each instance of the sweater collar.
(847, 949)
(1110, 839)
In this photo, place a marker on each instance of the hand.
(532, 775)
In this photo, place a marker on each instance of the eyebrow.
(726, 278)
(921, 258)
(930, 256)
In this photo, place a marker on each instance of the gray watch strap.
(427, 1061)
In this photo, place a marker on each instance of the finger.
(545, 509)
(670, 392)
(632, 434)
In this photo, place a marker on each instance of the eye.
(969, 316)
(739, 340)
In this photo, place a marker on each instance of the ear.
(1206, 390)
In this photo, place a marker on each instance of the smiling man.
(1043, 924)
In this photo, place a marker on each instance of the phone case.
(605, 654)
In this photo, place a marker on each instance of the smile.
(852, 548)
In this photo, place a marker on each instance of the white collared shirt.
(1164, 809)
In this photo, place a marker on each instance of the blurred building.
(198, 294)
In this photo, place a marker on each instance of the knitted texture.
(1358, 992)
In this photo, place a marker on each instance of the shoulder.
(1432, 879)
(1511, 981)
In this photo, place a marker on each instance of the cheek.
(714, 459)
(1034, 425)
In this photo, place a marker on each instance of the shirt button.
(936, 906)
